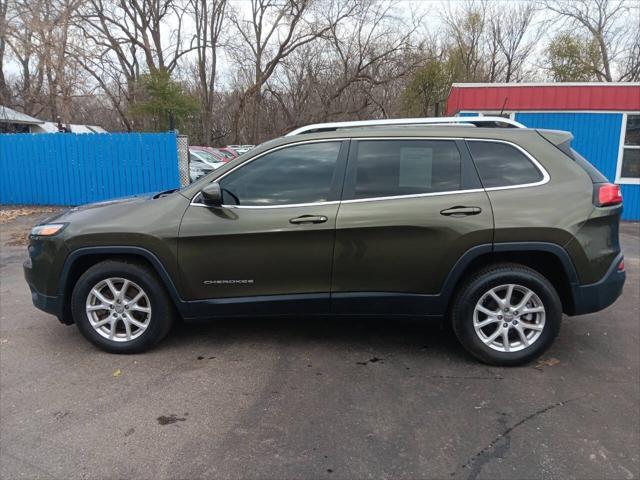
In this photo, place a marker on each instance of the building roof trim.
(547, 84)
(9, 115)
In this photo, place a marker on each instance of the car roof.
(453, 131)
(469, 121)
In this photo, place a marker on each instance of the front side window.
(291, 175)
(386, 168)
(502, 165)
(630, 167)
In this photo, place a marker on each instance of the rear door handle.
(460, 211)
(309, 219)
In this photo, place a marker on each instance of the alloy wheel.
(118, 309)
(509, 318)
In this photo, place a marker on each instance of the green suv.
(498, 230)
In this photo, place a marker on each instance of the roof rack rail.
(437, 121)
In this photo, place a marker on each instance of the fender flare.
(455, 275)
(82, 252)
(553, 248)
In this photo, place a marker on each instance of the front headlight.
(47, 230)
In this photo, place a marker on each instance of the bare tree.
(297, 87)
(60, 69)
(4, 88)
(604, 21)
(209, 17)
(125, 38)
(37, 35)
(630, 61)
(21, 40)
(509, 31)
(263, 67)
(466, 28)
(109, 55)
(275, 29)
(370, 50)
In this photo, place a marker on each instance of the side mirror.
(212, 195)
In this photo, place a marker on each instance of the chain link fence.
(183, 160)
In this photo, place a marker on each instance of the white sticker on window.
(415, 167)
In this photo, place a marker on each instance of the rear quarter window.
(502, 165)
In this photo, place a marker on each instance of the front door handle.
(308, 219)
(460, 211)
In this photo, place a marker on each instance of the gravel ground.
(306, 398)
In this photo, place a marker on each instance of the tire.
(540, 327)
(152, 311)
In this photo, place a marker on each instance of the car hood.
(111, 211)
(115, 201)
(139, 221)
(65, 215)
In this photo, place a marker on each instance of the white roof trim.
(9, 115)
(437, 121)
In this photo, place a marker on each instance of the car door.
(411, 208)
(270, 246)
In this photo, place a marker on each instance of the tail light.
(607, 194)
(621, 266)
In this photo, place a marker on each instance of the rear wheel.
(121, 307)
(507, 314)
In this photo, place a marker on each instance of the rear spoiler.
(556, 137)
(562, 141)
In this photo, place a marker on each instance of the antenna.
(504, 104)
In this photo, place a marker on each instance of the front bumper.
(42, 272)
(598, 296)
(46, 303)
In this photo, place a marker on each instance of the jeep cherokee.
(498, 230)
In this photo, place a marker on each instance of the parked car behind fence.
(202, 162)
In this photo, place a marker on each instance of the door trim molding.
(319, 303)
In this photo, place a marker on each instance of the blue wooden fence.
(72, 169)
(597, 138)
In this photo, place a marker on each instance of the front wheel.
(121, 307)
(507, 314)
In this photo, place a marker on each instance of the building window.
(629, 161)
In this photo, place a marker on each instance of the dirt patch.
(18, 239)
(169, 419)
(8, 214)
(372, 360)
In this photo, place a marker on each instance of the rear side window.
(387, 168)
(502, 165)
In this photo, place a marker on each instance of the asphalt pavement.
(314, 398)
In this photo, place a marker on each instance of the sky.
(432, 11)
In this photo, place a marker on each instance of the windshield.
(205, 156)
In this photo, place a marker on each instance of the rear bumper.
(598, 296)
